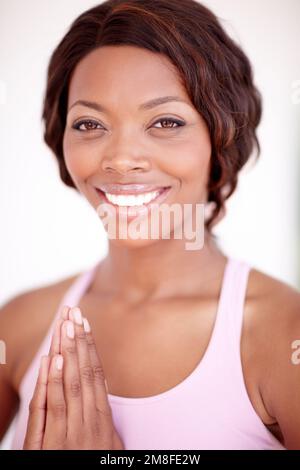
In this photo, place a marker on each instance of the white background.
(48, 231)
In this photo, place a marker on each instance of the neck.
(162, 269)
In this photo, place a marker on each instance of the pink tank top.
(209, 409)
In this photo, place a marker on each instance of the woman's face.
(115, 140)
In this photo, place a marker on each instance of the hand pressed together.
(69, 408)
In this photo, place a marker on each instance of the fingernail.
(70, 330)
(86, 325)
(106, 385)
(64, 311)
(59, 362)
(76, 315)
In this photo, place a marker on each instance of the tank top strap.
(228, 324)
(231, 306)
(236, 300)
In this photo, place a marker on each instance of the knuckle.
(90, 341)
(104, 412)
(71, 350)
(55, 380)
(98, 373)
(35, 406)
(87, 374)
(75, 388)
(58, 410)
(81, 336)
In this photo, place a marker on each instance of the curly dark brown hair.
(216, 73)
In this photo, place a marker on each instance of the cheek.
(191, 161)
(79, 159)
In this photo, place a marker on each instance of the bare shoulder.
(272, 329)
(274, 304)
(277, 303)
(24, 321)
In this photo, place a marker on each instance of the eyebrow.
(145, 106)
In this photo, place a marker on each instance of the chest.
(148, 350)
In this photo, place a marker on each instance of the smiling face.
(112, 139)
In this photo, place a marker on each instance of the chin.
(120, 235)
(131, 243)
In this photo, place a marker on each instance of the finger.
(71, 378)
(37, 409)
(55, 342)
(56, 421)
(85, 367)
(64, 314)
(102, 404)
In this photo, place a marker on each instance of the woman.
(148, 104)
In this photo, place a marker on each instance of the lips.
(129, 189)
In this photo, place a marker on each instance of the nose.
(124, 165)
(126, 156)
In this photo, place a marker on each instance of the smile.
(132, 200)
(132, 195)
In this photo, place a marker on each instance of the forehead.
(124, 74)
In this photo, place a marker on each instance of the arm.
(281, 389)
(8, 404)
(8, 396)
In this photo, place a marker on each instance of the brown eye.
(169, 123)
(87, 125)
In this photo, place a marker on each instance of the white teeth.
(132, 200)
